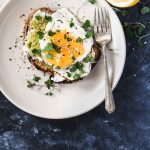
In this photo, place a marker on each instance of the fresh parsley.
(49, 56)
(73, 69)
(79, 40)
(48, 18)
(145, 10)
(51, 33)
(56, 48)
(36, 52)
(36, 78)
(124, 12)
(89, 34)
(73, 58)
(71, 23)
(49, 47)
(87, 25)
(49, 83)
(76, 77)
(68, 74)
(92, 1)
(49, 94)
(38, 17)
(41, 35)
(30, 84)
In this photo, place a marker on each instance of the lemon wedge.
(123, 3)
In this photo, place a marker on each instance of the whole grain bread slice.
(42, 66)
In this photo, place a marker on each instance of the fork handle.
(109, 100)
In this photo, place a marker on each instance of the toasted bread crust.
(41, 65)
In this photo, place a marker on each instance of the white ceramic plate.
(74, 99)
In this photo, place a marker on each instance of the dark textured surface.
(127, 129)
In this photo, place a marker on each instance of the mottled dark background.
(127, 129)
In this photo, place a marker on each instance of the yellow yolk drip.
(70, 49)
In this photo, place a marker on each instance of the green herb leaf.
(56, 48)
(49, 47)
(145, 10)
(140, 43)
(91, 59)
(124, 12)
(36, 78)
(76, 77)
(79, 40)
(68, 74)
(49, 94)
(86, 60)
(49, 83)
(69, 39)
(89, 34)
(87, 24)
(51, 33)
(38, 17)
(141, 29)
(41, 35)
(30, 84)
(73, 58)
(71, 24)
(48, 18)
(36, 52)
(49, 56)
(73, 69)
(92, 1)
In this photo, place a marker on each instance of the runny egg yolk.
(69, 49)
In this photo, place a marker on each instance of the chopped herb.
(73, 69)
(140, 43)
(124, 12)
(86, 25)
(65, 36)
(38, 17)
(141, 29)
(58, 30)
(145, 10)
(79, 66)
(36, 52)
(68, 74)
(79, 40)
(48, 18)
(73, 58)
(91, 59)
(69, 39)
(56, 48)
(76, 77)
(30, 84)
(41, 35)
(71, 23)
(49, 94)
(89, 34)
(51, 33)
(92, 1)
(86, 60)
(48, 47)
(36, 78)
(49, 83)
(49, 56)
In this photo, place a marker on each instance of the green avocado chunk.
(33, 44)
(39, 24)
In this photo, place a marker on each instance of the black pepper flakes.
(59, 5)
(10, 48)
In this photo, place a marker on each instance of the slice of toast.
(42, 66)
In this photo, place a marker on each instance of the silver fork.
(103, 35)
